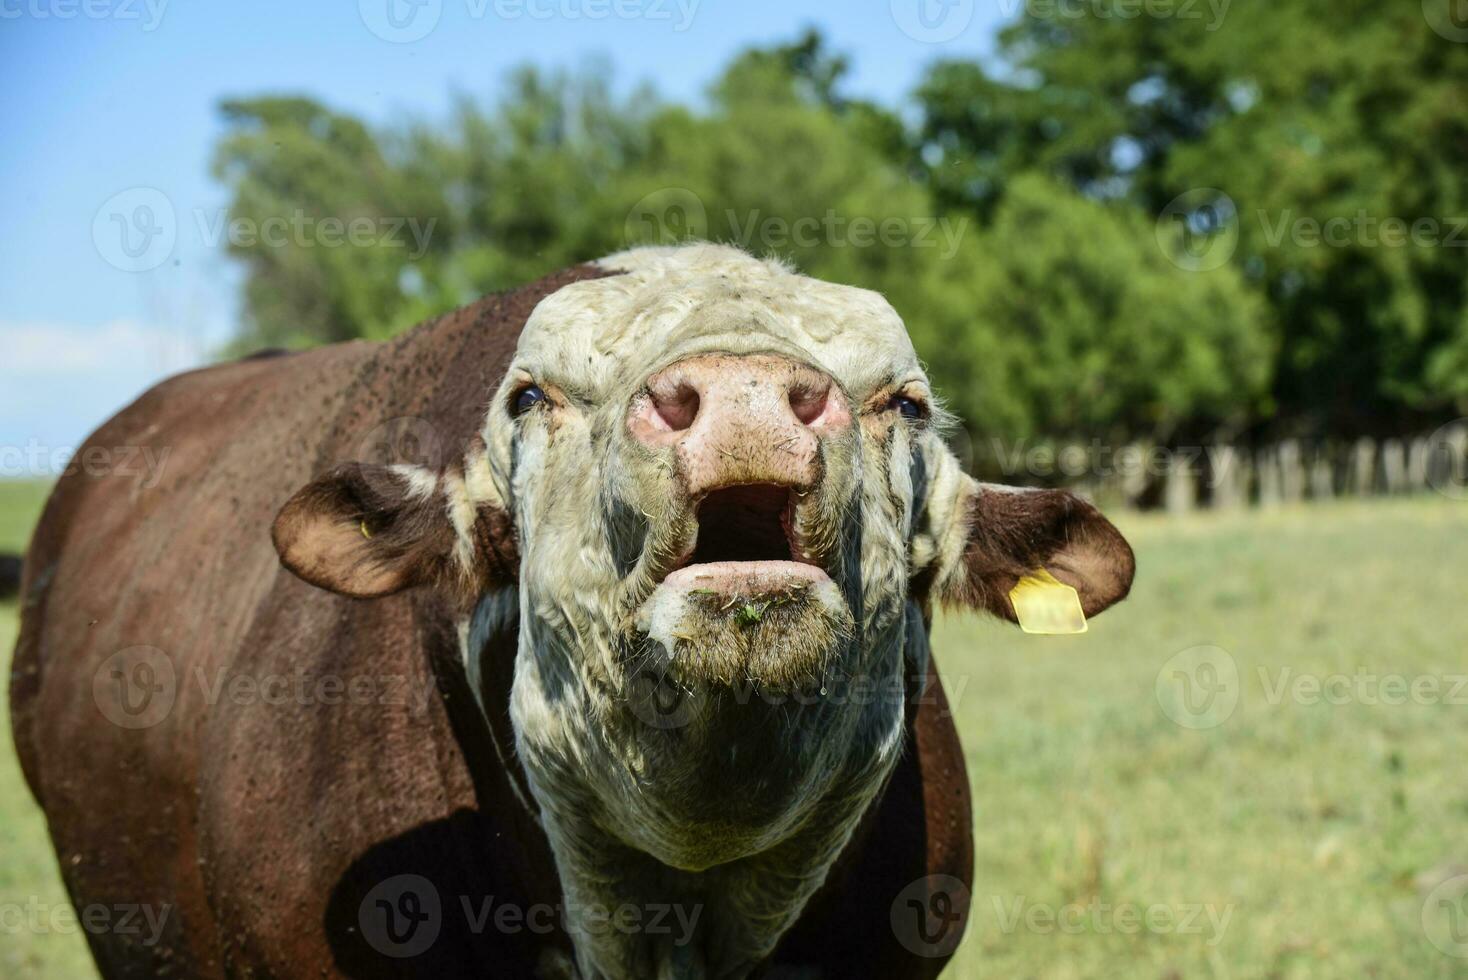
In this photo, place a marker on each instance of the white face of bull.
(730, 510)
(711, 465)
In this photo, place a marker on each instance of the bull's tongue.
(745, 578)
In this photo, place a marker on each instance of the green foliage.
(1021, 208)
(291, 160)
(20, 507)
(1064, 319)
(1302, 111)
(499, 197)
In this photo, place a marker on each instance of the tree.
(1063, 320)
(1042, 314)
(1304, 113)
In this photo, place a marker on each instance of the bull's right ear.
(367, 531)
(1009, 533)
(984, 538)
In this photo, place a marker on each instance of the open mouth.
(746, 544)
(748, 600)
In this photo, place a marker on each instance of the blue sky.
(104, 97)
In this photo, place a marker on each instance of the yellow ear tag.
(1044, 604)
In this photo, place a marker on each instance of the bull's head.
(718, 490)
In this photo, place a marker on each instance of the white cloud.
(29, 349)
(58, 382)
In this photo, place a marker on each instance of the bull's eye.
(908, 408)
(526, 399)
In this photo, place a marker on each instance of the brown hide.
(260, 823)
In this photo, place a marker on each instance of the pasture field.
(30, 888)
(1280, 803)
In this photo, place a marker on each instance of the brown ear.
(368, 531)
(1012, 532)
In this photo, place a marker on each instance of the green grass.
(1314, 826)
(29, 883)
(1317, 824)
(20, 506)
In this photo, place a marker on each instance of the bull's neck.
(635, 820)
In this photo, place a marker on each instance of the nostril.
(808, 402)
(677, 408)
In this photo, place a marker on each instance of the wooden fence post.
(1134, 476)
(1270, 489)
(1228, 477)
(1180, 495)
(1322, 475)
(1448, 462)
(1394, 466)
(1418, 457)
(1291, 472)
(1363, 468)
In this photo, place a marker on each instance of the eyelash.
(518, 405)
(901, 403)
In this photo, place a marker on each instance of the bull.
(593, 642)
